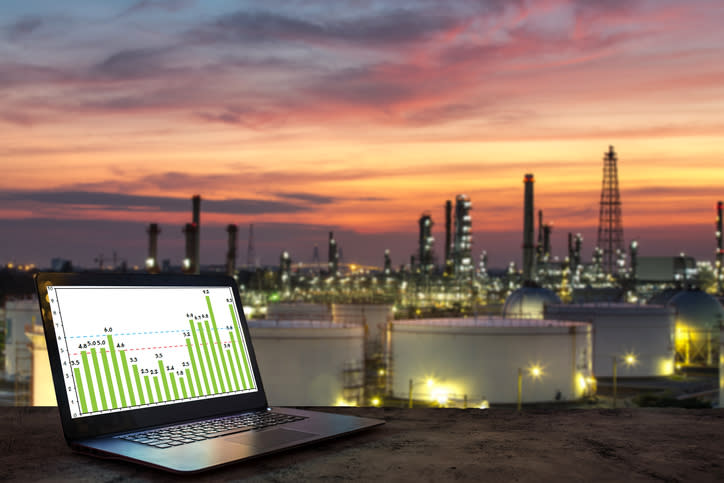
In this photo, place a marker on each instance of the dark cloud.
(390, 27)
(365, 86)
(23, 27)
(308, 197)
(135, 64)
(119, 201)
(14, 74)
(149, 5)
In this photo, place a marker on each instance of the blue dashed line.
(125, 333)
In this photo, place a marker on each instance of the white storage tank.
(640, 337)
(449, 359)
(309, 363)
(721, 367)
(698, 319)
(19, 314)
(529, 303)
(374, 316)
(299, 311)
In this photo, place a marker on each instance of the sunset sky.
(303, 117)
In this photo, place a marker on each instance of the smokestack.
(634, 260)
(547, 229)
(539, 250)
(719, 248)
(570, 247)
(333, 256)
(152, 260)
(196, 202)
(528, 230)
(188, 262)
(231, 253)
(448, 232)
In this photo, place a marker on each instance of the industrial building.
(639, 339)
(450, 361)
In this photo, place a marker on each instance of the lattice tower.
(610, 226)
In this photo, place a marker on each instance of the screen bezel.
(118, 422)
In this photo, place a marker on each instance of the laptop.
(160, 370)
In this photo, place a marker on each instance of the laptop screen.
(129, 347)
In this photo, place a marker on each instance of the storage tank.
(299, 311)
(721, 367)
(19, 313)
(374, 316)
(528, 302)
(644, 333)
(309, 363)
(698, 319)
(449, 359)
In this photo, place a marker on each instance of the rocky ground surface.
(425, 444)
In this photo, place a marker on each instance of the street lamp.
(535, 371)
(628, 359)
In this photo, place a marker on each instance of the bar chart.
(130, 347)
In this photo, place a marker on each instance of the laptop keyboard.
(170, 436)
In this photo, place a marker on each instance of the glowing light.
(430, 382)
(666, 368)
(375, 401)
(485, 404)
(630, 359)
(150, 262)
(381, 372)
(536, 371)
(582, 384)
(441, 397)
(343, 402)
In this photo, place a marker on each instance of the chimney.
(528, 230)
(231, 253)
(196, 201)
(188, 263)
(448, 232)
(719, 248)
(152, 260)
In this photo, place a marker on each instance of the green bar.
(163, 376)
(148, 388)
(208, 359)
(158, 388)
(233, 371)
(138, 384)
(128, 378)
(111, 389)
(238, 361)
(191, 386)
(98, 378)
(241, 346)
(193, 365)
(81, 393)
(201, 359)
(86, 369)
(183, 387)
(218, 341)
(216, 357)
(173, 385)
(117, 371)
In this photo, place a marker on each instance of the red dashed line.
(152, 348)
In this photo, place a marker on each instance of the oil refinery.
(452, 332)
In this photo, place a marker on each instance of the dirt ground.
(427, 445)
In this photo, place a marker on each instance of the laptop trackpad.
(270, 438)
